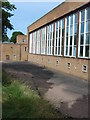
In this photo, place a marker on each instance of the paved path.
(67, 93)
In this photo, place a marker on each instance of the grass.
(19, 101)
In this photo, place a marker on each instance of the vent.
(84, 68)
(68, 65)
(57, 62)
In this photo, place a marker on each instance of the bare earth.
(67, 93)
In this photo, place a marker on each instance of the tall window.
(84, 33)
(38, 42)
(59, 36)
(30, 43)
(34, 42)
(50, 31)
(70, 35)
(43, 40)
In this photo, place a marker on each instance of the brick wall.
(14, 52)
(51, 62)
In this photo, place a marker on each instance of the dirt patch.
(35, 77)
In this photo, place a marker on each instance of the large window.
(30, 43)
(70, 35)
(34, 42)
(84, 33)
(50, 38)
(59, 36)
(38, 42)
(43, 40)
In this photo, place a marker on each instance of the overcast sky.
(28, 12)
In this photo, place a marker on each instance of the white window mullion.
(61, 38)
(69, 37)
(79, 33)
(73, 34)
(65, 39)
(58, 38)
(55, 40)
(47, 40)
(84, 34)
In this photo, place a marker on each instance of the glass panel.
(71, 30)
(58, 50)
(71, 20)
(82, 39)
(67, 21)
(81, 50)
(67, 31)
(61, 50)
(71, 40)
(76, 18)
(75, 29)
(75, 39)
(82, 15)
(62, 23)
(56, 25)
(66, 50)
(86, 51)
(88, 13)
(82, 27)
(62, 41)
(70, 52)
(74, 51)
(59, 42)
(66, 40)
(87, 38)
(88, 26)
(62, 32)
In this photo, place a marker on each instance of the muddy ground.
(67, 93)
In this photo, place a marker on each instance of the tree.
(14, 36)
(6, 15)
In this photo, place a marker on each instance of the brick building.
(15, 52)
(61, 39)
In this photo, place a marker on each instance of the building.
(22, 39)
(60, 39)
(15, 52)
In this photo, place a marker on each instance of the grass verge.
(19, 101)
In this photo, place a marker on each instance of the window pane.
(58, 50)
(56, 25)
(71, 30)
(71, 20)
(62, 32)
(82, 27)
(70, 52)
(66, 50)
(88, 13)
(67, 31)
(86, 51)
(74, 51)
(83, 15)
(71, 40)
(75, 29)
(87, 38)
(59, 42)
(61, 50)
(62, 41)
(66, 40)
(82, 39)
(76, 18)
(81, 50)
(67, 21)
(75, 39)
(62, 23)
(88, 26)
